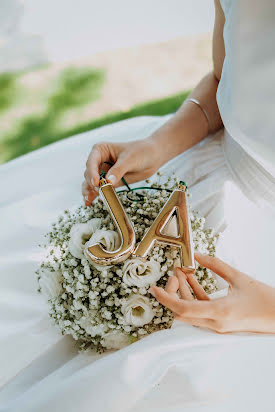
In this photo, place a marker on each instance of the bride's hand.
(133, 160)
(249, 305)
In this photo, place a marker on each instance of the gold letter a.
(175, 207)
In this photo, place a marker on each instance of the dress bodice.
(246, 92)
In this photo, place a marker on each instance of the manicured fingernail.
(86, 197)
(92, 182)
(179, 271)
(151, 291)
(96, 189)
(111, 179)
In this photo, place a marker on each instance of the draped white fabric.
(246, 92)
(185, 368)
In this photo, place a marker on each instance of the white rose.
(79, 234)
(141, 274)
(108, 238)
(115, 340)
(137, 310)
(50, 283)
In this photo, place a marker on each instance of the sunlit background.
(70, 66)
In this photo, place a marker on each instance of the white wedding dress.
(182, 369)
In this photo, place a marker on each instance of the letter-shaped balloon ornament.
(175, 207)
(96, 253)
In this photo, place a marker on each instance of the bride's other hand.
(249, 305)
(135, 161)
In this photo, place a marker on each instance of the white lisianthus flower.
(51, 283)
(109, 239)
(79, 235)
(141, 274)
(137, 310)
(115, 340)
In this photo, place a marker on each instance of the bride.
(221, 142)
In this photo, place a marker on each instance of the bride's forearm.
(189, 125)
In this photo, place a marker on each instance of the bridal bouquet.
(109, 307)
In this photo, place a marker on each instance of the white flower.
(141, 274)
(115, 340)
(137, 310)
(79, 235)
(109, 239)
(50, 283)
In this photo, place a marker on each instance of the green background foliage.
(34, 116)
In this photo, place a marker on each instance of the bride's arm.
(190, 125)
(140, 159)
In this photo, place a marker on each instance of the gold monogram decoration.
(175, 208)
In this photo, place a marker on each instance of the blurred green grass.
(158, 107)
(7, 90)
(72, 89)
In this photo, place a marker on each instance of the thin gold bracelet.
(192, 100)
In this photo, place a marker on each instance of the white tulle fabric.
(185, 368)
